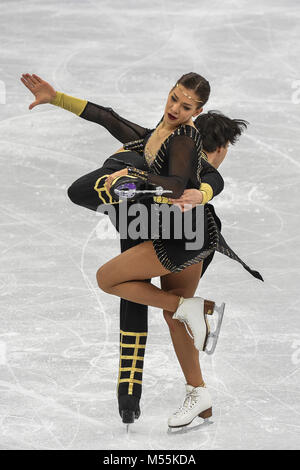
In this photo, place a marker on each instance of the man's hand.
(188, 200)
(42, 90)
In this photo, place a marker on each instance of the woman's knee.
(102, 280)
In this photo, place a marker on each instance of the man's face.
(180, 106)
(221, 153)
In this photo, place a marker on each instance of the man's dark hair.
(216, 129)
(198, 84)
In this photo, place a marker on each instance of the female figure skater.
(162, 257)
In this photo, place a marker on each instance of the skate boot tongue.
(189, 388)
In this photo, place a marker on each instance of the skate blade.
(215, 334)
(190, 428)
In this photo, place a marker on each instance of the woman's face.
(181, 107)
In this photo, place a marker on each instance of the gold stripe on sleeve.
(69, 103)
(207, 192)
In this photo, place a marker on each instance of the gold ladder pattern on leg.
(134, 344)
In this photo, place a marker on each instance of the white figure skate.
(192, 312)
(197, 402)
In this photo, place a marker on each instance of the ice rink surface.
(59, 340)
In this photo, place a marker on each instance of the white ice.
(59, 341)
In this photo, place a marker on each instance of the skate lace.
(188, 403)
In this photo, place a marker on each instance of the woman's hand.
(111, 177)
(42, 90)
(190, 197)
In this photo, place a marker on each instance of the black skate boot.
(129, 408)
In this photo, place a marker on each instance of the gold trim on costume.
(162, 199)
(131, 380)
(122, 150)
(136, 358)
(75, 105)
(207, 192)
(103, 190)
(132, 333)
(204, 156)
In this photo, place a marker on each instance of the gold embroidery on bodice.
(154, 143)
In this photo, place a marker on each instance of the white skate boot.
(192, 312)
(197, 402)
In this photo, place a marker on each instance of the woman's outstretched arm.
(120, 128)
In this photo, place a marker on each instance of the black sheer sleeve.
(211, 176)
(120, 128)
(181, 153)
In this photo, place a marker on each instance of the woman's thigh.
(135, 264)
(183, 283)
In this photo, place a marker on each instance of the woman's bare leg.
(184, 284)
(124, 277)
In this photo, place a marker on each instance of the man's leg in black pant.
(133, 338)
(89, 191)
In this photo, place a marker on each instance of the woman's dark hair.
(198, 84)
(216, 129)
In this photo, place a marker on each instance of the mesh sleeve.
(118, 127)
(182, 151)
